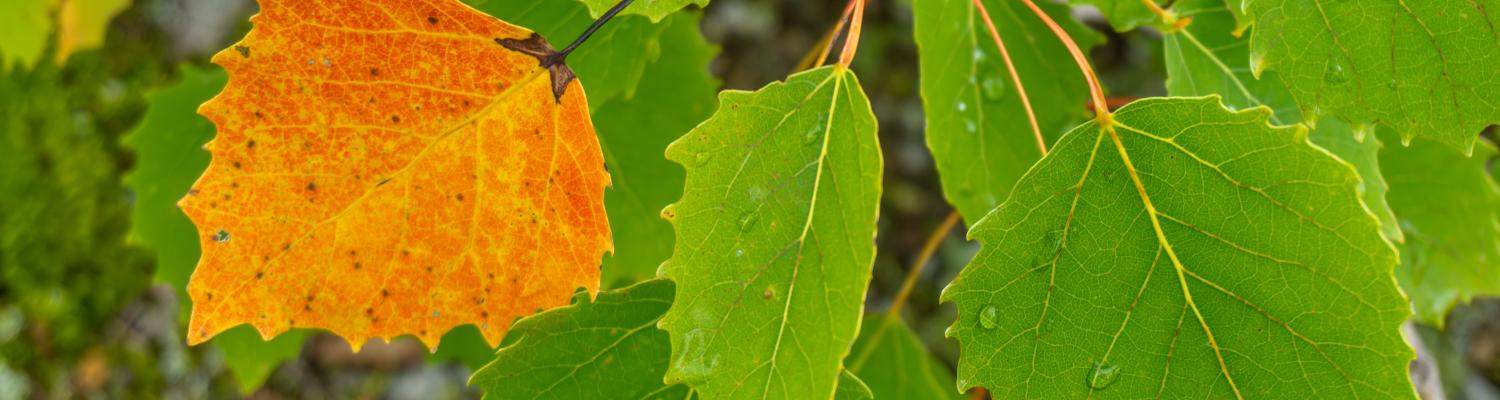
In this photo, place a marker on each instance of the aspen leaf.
(1194, 252)
(1423, 68)
(775, 234)
(607, 348)
(393, 167)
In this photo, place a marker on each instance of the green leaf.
(774, 238)
(610, 64)
(1207, 58)
(1123, 15)
(1449, 207)
(1191, 252)
(852, 388)
(1457, 257)
(1423, 68)
(896, 363)
(977, 128)
(676, 93)
(655, 9)
(609, 348)
(169, 157)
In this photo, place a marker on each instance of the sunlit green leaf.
(1191, 252)
(775, 237)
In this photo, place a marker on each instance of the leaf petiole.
(1096, 91)
(560, 56)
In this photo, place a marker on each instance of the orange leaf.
(393, 167)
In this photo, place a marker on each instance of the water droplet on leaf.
(1102, 375)
(962, 106)
(1336, 74)
(993, 88)
(989, 318)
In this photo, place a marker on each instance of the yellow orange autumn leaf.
(393, 167)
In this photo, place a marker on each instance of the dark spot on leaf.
(374, 72)
(260, 275)
(259, 115)
(237, 165)
(385, 293)
(396, 119)
(312, 187)
(244, 50)
(459, 196)
(250, 144)
(432, 20)
(356, 265)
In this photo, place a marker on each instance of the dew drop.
(1102, 375)
(962, 106)
(739, 252)
(989, 318)
(993, 88)
(971, 127)
(222, 236)
(978, 54)
(1336, 74)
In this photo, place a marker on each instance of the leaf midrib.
(498, 98)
